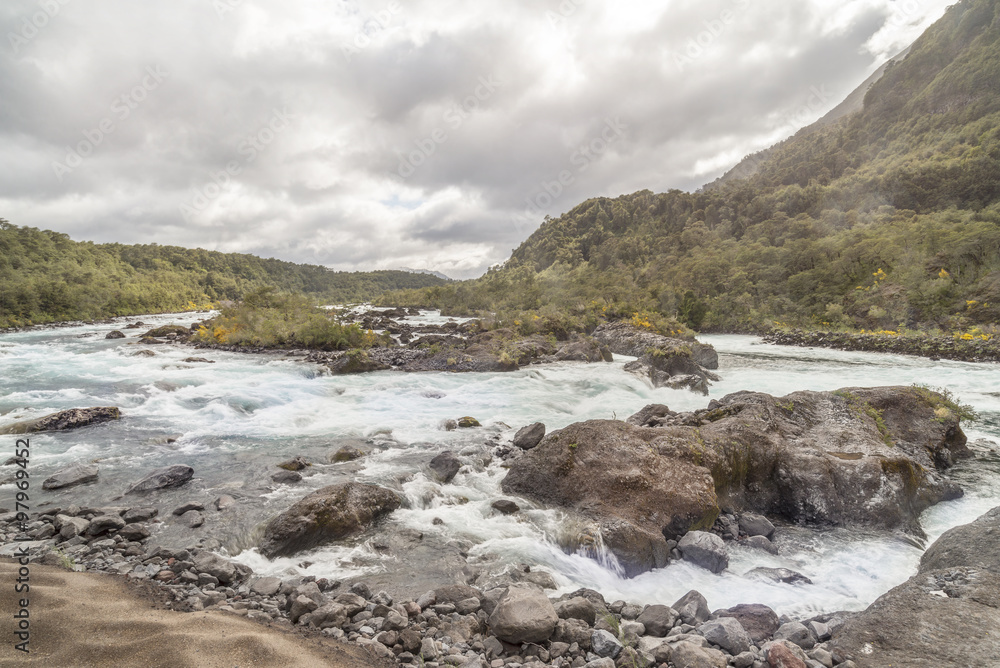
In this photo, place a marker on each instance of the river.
(234, 419)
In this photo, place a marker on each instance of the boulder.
(690, 655)
(756, 525)
(218, 567)
(761, 543)
(505, 506)
(225, 501)
(666, 361)
(139, 514)
(180, 510)
(658, 620)
(73, 418)
(579, 351)
(795, 633)
(649, 415)
(445, 466)
(134, 532)
(286, 477)
(192, 519)
(355, 361)
(577, 608)
(704, 549)
(608, 470)
(528, 437)
(169, 476)
(105, 523)
(947, 615)
(171, 331)
(329, 514)
(347, 453)
(604, 644)
(974, 545)
(692, 608)
(523, 616)
(114, 334)
(78, 474)
(294, 464)
(727, 633)
(467, 422)
(759, 621)
(782, 655)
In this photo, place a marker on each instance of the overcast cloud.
(419, 133)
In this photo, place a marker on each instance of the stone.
(727, 633)
(114, 334)
(467, 422)
(573, 631)
(71, 476)
(761, 543)
(105, 523)
(134, 532)
(649, 415)
(218, 567)
(756, 525)
(445, 466)
(973, 545)
(428, 650)
(704, 549)
(287, 477)
(602, 643)
(523, 615)
(329, 514)
(796, 633)
(267, 586)
(505, 506)
(576, 608)
(163, 478)
(690, 655)
(658, 620)
(608, 471)
(603, 662)
(225, 501)
(692, 608)
(294, 464)
(301, 605)
(139, 514)
(180, 510)
(68, 527)
(73, 418)
(528, 437)
(819, 630)
(780, 655)
(192, 519)
(759, 621)
(347, 453)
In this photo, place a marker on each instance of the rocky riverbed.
(657, 487)
(935, 347)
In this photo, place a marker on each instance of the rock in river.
(329, 514)
(69, 419)
(78, 474)
(169, 476)
(528, 437)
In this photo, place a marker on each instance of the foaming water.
(232, 420)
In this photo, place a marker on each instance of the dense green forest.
(888, 218)
(47, 277)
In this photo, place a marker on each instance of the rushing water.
(234, 419)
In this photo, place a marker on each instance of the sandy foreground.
(93, 619)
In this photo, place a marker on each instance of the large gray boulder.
(445, 466)
(945, 616)
(692, 608)
(727, 633)
(523, 615)
(216, 566)
(658, 620)
(71, 476)
(169, 476)
(329, 514)
(528, 437)
(610, 472)
(704, 549)
(759, 621)
(73, 418)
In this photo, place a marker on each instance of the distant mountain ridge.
(438, 274)
(882, 217)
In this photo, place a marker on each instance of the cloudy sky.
(377, 134)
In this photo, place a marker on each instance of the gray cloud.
(412, 133)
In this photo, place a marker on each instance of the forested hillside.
(46, 277)
(887, 218)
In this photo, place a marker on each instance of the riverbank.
(933, 347)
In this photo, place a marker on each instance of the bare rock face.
(855, 457)
(329, 514)
(975, 545)
(607, 470)
(73, 418)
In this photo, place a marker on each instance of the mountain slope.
(47, 277)
(886, 217)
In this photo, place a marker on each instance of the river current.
(234, 419)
